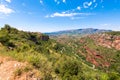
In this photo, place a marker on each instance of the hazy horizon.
(57, 15)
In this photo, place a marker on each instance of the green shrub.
(47, 76)
(35, 61)
(18, 72)
(68, 69)
(114, 76)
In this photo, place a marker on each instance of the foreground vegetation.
(55, 60)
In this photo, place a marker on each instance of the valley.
(94, 56)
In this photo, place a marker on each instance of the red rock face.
(106, 40)
(95, 58)
(116, 44)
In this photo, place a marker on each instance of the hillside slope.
(99, 51)
(49, 59)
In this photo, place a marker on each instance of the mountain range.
(76, 32)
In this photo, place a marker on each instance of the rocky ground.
(11, 70)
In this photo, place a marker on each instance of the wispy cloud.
(74, 18)
(9, 1)
(95, 5)
(56, 1)
(59, 1)
(87, 4)
(106, 24)
(62, 14)
(41, 2)
(70, 15)
(64, 1)
(109, 26)
(5, 10)
(78, 8)
(94, 0)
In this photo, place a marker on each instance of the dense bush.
(68, 69)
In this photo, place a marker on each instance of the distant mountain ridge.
(78, 32)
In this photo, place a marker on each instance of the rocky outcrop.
(44, 37)
(40, 36)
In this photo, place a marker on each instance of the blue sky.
(56, 15)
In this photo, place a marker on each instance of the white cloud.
(56, 1)
(5, 10)
(73, 18)
(87, 4)
(78, 8)
(95, 5)
(105, 24)
(64, 14)
(94, 0)
(41, 2)
(64, 1)
(9, 1)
